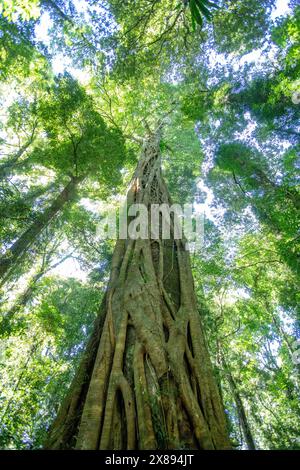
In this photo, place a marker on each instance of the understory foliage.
(137, 344)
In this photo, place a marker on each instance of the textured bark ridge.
(145, 381)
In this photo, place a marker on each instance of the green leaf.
(195, 12)
(204, 10)
(210, 4)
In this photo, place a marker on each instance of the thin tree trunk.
(5, 168)
(5, 324)
(145, 381)
(239, 406)
(26, 296)
(28, 238)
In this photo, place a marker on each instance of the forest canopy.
(191, 102)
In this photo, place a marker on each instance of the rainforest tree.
(138, 343)
(150, 383)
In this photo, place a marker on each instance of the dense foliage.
(80, 82)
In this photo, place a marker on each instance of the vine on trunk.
(145, 381)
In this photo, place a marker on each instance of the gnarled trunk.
(145, 381)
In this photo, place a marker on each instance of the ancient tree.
(145, 380)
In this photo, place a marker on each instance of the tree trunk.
(28, 238)
(240, 407)
(145, 381)
(24, 298)
(6, 168)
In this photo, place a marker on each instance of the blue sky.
(60, 63)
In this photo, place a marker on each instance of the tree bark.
(145, 381)
(28, 238)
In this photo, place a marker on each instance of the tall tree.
(75, 148)
(133, 58)
(149, 382)
(239, 406)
